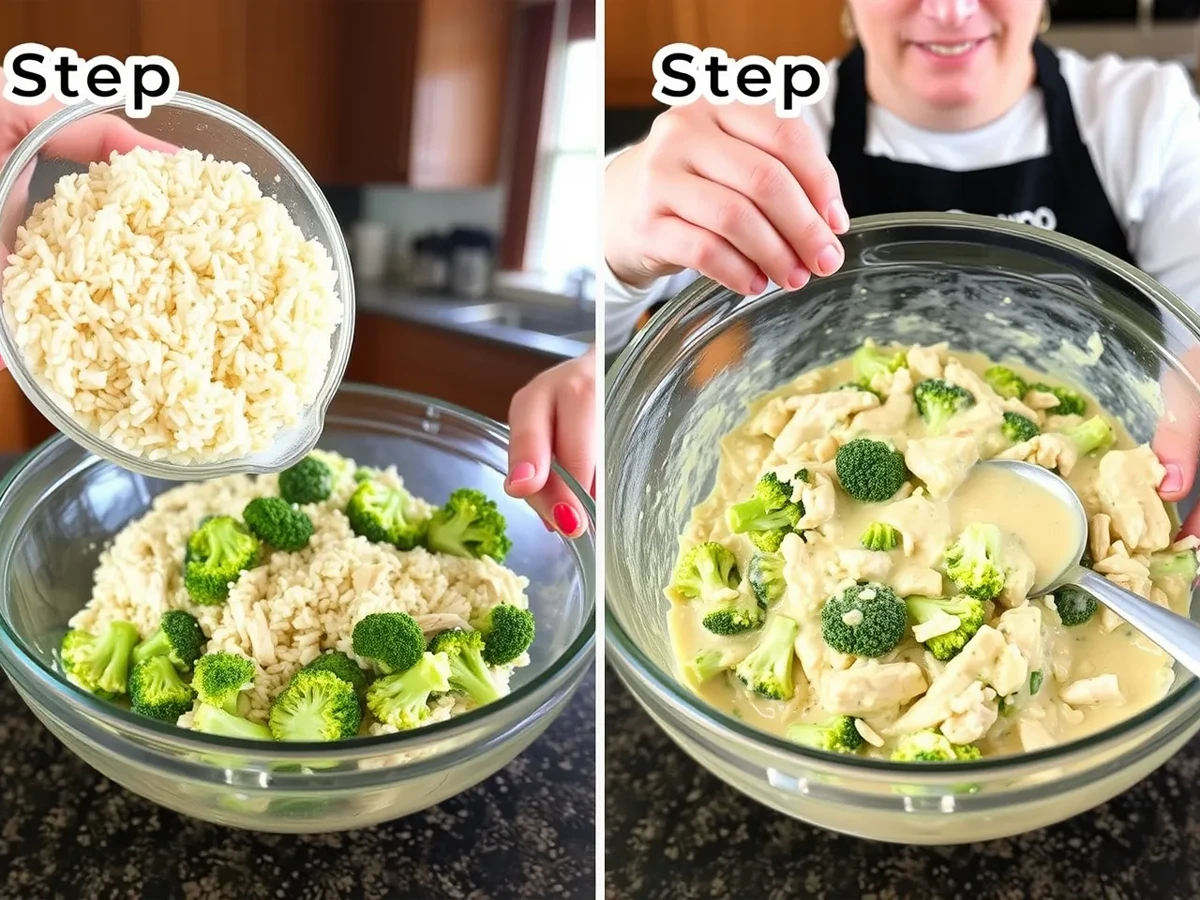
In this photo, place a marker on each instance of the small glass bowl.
(200, 124)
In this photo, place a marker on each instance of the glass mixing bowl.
(195, 123)
(60, 504)
(1007, 290)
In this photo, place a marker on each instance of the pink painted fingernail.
(759, 284)
(1173, 480)
(521, 472)
(566, 518)
(837, 217)
(829, 259)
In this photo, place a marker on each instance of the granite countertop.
(454, 314)
(68, 833)
(675, 832)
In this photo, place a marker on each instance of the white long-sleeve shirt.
(1140, 120)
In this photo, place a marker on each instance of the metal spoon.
(1177, 635)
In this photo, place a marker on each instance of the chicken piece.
(1092, 691)
(908, 579)
(871, 687)
(1040, 400)
(1128, 571)
(868, 734)
(815, 415)
(1099, 536)
(1033, 734)
(805, 571)
(895, 412)
(943, 463)
(1020, 575)
(1127, 486)
(1062, 423)
(821, 450)
(1187, 542)
(987, 657)
(1050, 451)
(819, 499)
(924, 527)
(926, 362)
(1011, 404)
(974, 712)
(861, 565)
(1022, 627)
(771, 418)
(941, 623)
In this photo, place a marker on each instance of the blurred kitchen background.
(634, 30)
(455, 140)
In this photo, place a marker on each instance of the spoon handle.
(1175, 634)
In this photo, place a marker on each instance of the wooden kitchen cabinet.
(476, 373)
(400, 91)
(635, 30)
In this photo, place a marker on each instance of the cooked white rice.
(171, 309)
(285, 612)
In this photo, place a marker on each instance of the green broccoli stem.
(469, 674)
(211, 720)
(156, 645)
(753, 515)
(1167, 563)
(115, 651)
(706, 665)
(1091, 435)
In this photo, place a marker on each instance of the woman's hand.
(1177, 440)
(554, 417)
(733, 192)
(85, 142)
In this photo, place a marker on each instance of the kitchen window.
(563, 231)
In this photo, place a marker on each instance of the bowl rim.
(334, 243)
(705, 289)
(129, 725)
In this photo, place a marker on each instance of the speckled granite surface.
(68, 833)
(674, 832)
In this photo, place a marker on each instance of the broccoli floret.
(1070, 403)
(366, 473)
(507, 631)
(769, 507)
(212, 720)
(100, 663)
(870, 471)
(1167, 563)
(969, 612)
(221, 677)
(1075, 605)
(1094, 434)
(835, 735)
(218, 551)
(342, 666)
(1005, 382)
(765, 574)
(870, 360)
(380, 514)
(179, 637)
(864, 620)
(974, 561)
(767, 670)
(1017, 428)
(707, 572)
(468, 672)
(402, 699)
(880, 536)
(932, 746)
(1086, 559)
(276, 522)
(707, 664)
(156, 690)
(393, 641)
(858, 386)
(938, 401)
(315, 706)
(308, 481)
(736, 614)
(1035, 682)
(470, 524)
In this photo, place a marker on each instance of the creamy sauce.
(1027, 513)
(1031, 519)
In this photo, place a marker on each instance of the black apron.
(1060, 191)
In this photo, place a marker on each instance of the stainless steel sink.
(564, 322)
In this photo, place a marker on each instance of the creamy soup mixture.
(859, 581)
